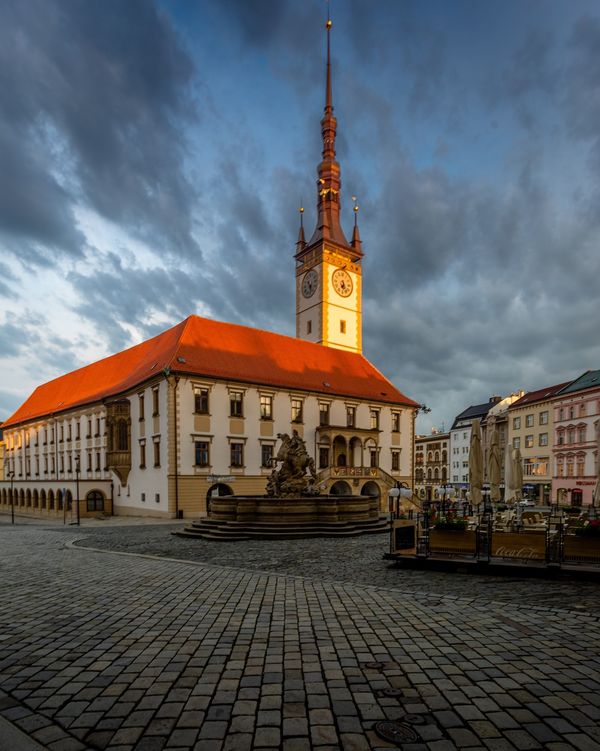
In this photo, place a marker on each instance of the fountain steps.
(213, 529)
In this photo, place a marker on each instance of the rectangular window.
(323, 413)
(201, 401)
(395, 461)
(350, 417)
(373, 457)
(395, 422)
(69, 433)
(266, 407)
(323, 458)
(89, 431)
(202, 456)
(98, 461)
(529, 421)
(155, 402)
(297, 405)
(77, 430)
(342, 327)
(237, 454)
(45, 436)
(543, 418)
(266, 455)
(374, 420)
(516, 443)
(309, 327)
(543, 439)
(528, 441)
(236, 404)
(157, 453)
(141, 406)
(89, 461)
(516, 423)
(97, 433)
(70, 463)
(62, 463)
(143, 498)
(142, 456)
(62, 434)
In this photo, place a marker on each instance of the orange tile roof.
(213, 349)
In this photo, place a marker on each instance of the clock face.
(309, 283)
(342, 282)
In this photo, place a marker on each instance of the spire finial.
(301, 242)
(328, 96)
(356, 241)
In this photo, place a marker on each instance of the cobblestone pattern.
(124, 652)
(358, 560)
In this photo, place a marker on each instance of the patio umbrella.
(509, 482)
(475, 463)
(596, 496)
(494, 465)
(517, 473)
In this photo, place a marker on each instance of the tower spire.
(328, 172)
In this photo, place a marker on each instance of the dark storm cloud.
(89, 94)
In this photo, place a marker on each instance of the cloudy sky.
(153, 156)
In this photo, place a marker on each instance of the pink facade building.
(575, 451)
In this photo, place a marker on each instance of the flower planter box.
(581, 549)
(452, 542)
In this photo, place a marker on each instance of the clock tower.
(328, 267)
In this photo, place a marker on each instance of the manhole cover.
(395, 732)
(374, 665)
(392, 693)
(414, 719)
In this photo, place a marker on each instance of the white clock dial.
(309, 283)
(342, 282)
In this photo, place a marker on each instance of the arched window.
(42, 499)
(35, 499)
(94, 501)
(59, 500)
(50, 500)
(436, 474)
(444, 457)
(122, 436)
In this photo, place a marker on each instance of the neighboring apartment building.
(431, 463)
(576, 410)
(498, 416)
(1, 454)
(530, 429)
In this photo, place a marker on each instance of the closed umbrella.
(517, 473)
(509, 482)
(494, 468)
(475, 463)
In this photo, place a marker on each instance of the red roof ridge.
(223, 351)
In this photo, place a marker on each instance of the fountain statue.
(296, 476)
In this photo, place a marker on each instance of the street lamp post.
(11, 474)
(77, 470)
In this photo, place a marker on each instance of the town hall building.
(160, 428)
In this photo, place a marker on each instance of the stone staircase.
(230, 531)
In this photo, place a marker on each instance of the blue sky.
(153, 156)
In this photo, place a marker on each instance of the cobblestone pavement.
(101, 650)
